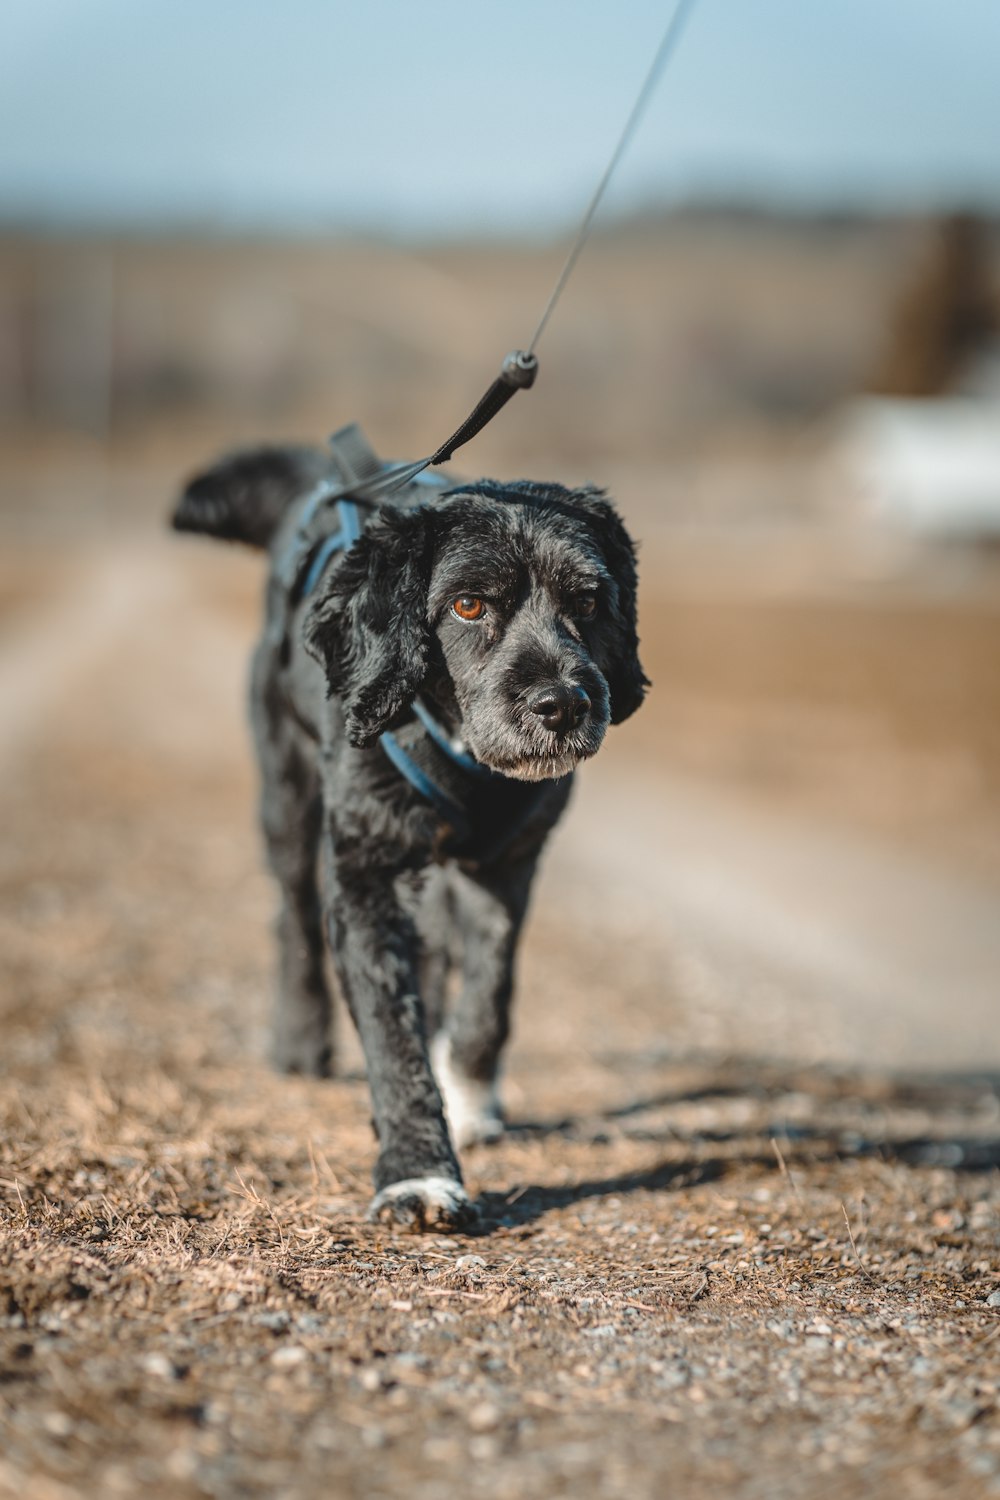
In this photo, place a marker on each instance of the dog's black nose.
(560, 708)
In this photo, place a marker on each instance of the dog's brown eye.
(468, 607)
(586, 607)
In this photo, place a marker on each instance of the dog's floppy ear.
(623, 669)
(369, 627)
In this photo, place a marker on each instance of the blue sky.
(458, 115)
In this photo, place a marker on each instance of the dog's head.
(512, 607)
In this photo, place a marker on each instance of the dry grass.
(191, 1302)
(194, 1305)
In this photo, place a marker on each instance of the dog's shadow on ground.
(856, 1116)
(525, 1204)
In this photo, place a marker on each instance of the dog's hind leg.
(490, 908)
(291, 815)
(439, 951)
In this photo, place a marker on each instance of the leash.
(519, 368)
(668, 45)
(361, 478)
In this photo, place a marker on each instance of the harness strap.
(452, 813)
(439, 735)
(339, 541)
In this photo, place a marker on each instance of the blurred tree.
(945, 317)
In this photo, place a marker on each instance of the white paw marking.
(472, 1107)
(425, 1201)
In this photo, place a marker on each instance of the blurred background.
(223, 224)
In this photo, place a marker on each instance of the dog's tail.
(243, 497)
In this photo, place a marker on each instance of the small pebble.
(57, 1423)
(288, 1356)
(993, 1300)
(470, 1263)
(182, 1464)
(484, 1417)
(961, 1412)
(411, 1359)
(276, 1319)
(158, 1365)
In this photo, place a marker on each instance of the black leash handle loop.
(517, 373)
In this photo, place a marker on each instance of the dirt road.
(809, 941)
(742, 1236)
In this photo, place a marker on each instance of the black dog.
(419, 702)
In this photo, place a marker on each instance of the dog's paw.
(473, 1108)
(420, 1203)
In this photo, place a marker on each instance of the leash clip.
(517, 373)
(519, 370)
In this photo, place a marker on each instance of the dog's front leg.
(375, 949)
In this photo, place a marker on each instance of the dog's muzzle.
(546, 734)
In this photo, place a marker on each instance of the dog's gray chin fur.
(525, 756)
(537, 765)
(541, 768)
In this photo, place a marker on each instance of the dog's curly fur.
(364, 861)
